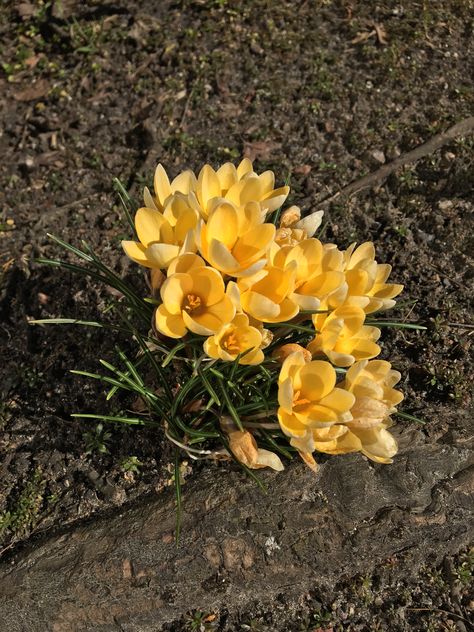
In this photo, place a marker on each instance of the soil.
(322, 92)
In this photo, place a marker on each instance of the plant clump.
(263, 338)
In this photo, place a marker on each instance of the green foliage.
(131, 464)
(96, 441)
(22, 515)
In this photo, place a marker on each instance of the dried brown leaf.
(36, 91)
(260, 149)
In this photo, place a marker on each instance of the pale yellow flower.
(318, 271)
(366, 280)
(162, 240)
(184, 183)
(235, 240)
(235, 338)
(265, 294)
(309, 400)
(371, 383)
(343, 337)
(238, 185)
(193, 298)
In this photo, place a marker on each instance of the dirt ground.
(320, 92)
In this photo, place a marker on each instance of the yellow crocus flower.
(318, 271)
(343, 337)
(366, 280)
(235, 240)
(265, 295)
(163, 236)
(371, 383)
(309, 400)
(194, 299)
(184, 183)
(235, 338)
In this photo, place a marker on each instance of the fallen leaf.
(33, 60)
(36, 91)
(260, 149)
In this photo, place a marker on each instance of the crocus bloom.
(194, 299)
(162, 240)
(371, 383)
(318, 273)
(343, 337)
(238, 185)
(234, 240)
(365, 279)
(184, 183)
(266, 295)
(309, 400)
(235, 338)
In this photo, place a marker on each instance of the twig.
(460, 129)
(452, 614)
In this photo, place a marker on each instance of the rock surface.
(125, 573)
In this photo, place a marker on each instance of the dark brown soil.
(97, 90)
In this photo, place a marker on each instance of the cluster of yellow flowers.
(232, 274)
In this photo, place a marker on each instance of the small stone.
(445, 205)
(378, 156)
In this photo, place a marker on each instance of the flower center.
(192, 303)
(299, 402)
(231, 344)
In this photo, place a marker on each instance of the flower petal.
(136, 252)
(161, 185)
(161, 255)
(148, 224)
(171, 325)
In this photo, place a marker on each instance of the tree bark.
(125, 573)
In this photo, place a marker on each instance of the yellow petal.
(317, 380)
(309, 460)
(291, 365)
(171, 325)
(290, 425)
(208, 284)
(174, 290)
(161, 185)
(285, 394)
(161, 255)
(148, 224)
(184, 183)
(221, 258)
(136, 252)
(275, 199)
(244, 168)
(185, 263)
(208, 186)
(148, 199)
(338, 400)
(254, 243)
(265, 458)
(222, 225)
(227, 175)
(310, 223)
(259, 306)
